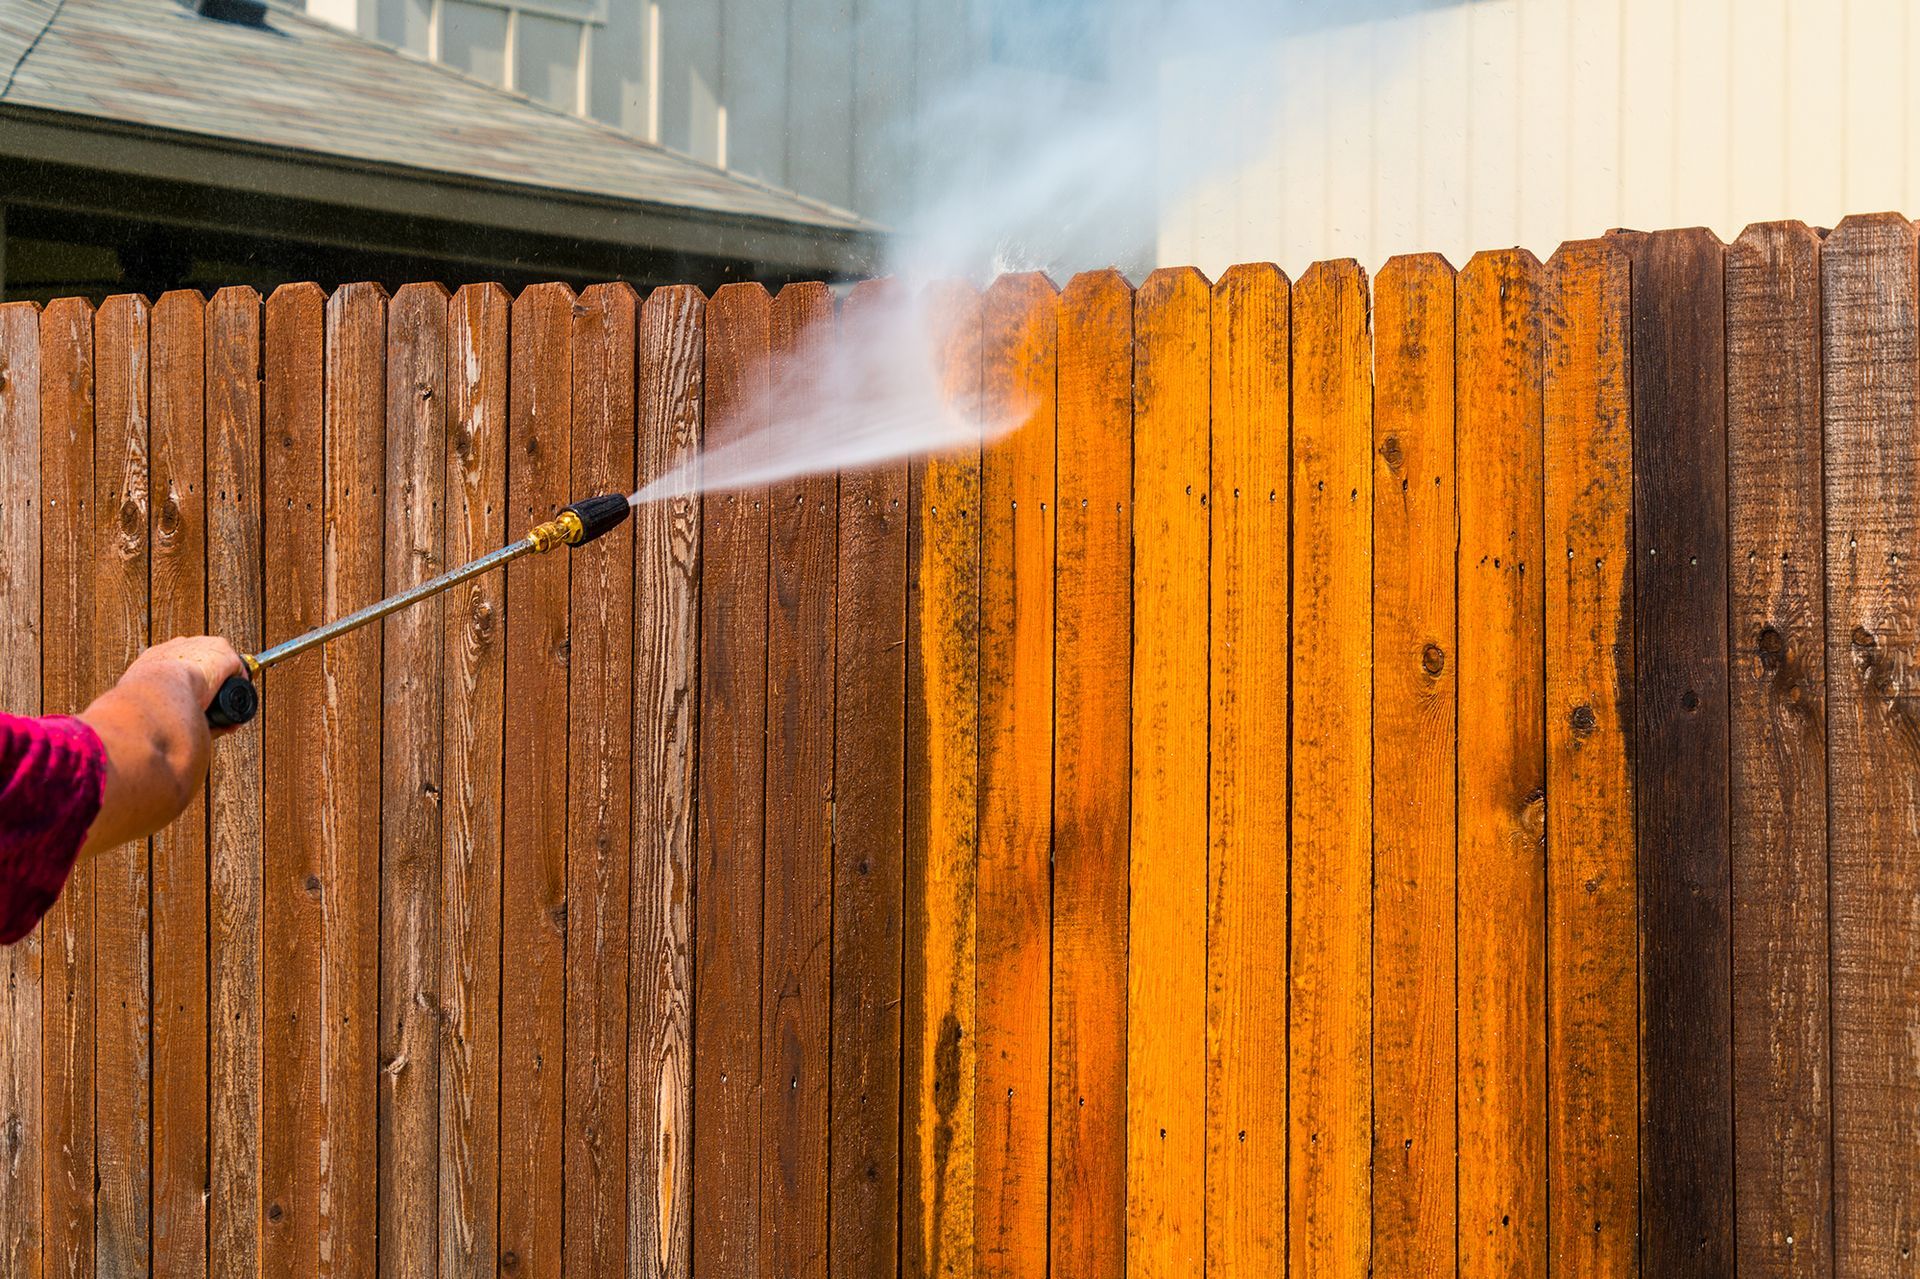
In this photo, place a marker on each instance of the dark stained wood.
(869, 745)
(411, 784)
(533, 931)
(473, 745)
(178, 549)
(1092, 778)
(1680, 760)
(1870, 309)
(732, 796)
(1416, 658)
(235, 796)
(1783, 1140)
(123, 957)
(1017, 524)
(67, 574)
(666, 687)
(599, 791)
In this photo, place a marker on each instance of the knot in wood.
(1584, 720)
(1773, 649)
(1433, 659)
(1533, 817)
(1390, 452)
(1862, 637)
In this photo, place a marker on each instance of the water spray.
(238, 700)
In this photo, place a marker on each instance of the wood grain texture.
(666, 688)
(235, 798)
(1250, 641)
(1783, 1139)
(1167, 917)
(1592, 948)
(123, 956)
(599, 791)
(803, 522)
(22, 1228)
(1870, 309)
(473, 747)
(1017, 529)
(1501, 780)
(178, 550)
(1416, 658)
(533, 883)
(412, 784)
(1680, 774)
(943, 743)
(1329, 1068)
(1092, 777)
(869, 745)
(732, 796)
(66, 672)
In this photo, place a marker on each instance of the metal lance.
(239, 700)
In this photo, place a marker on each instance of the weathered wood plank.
(411, 784)
(729, 872)
(666, 534)
(1870, 310)
(1167, 917)
(599, 791)
(1783, 1142)
(474, 755)
(178, 550)
(1017, 526)
(1330, 1084)
(1415, 662)
(1592, 942)
(1092, 777)
(533, 929)
(943, 745)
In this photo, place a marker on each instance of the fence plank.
(1783, 1142)
(1017, 524)
(672, 395)
(1415, 663)
(868, 785)
(474, 755)
(599, 792)
(943, 600)
(1870, 302)
(1092, 777)
(22, 1230)
(533, 928)
(803, 518)
(1167, 918)
(1680, 725)
(123, 1074)
(1330, 1016)
(67, 933)
(179, 584)
(1246, 1224)
(1501, 791)
(728, 877)
(411, 784)
(1592, 950)
(234, 789)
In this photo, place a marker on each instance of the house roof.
(301, 87)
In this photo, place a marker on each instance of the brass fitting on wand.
(566, 529)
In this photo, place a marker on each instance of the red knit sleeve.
(52, 774)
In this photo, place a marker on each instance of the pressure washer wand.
(576, 525)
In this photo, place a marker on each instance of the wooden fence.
(1353, 786)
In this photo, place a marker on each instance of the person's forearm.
(153, 765)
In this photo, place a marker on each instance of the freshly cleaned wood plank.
(1501, 776)
(1167, 917)
(1783, 1142)
(1017, 523)
(1592, 942)
(1416, 658)
(666, 534)
(1330, 1083)
(1092, 777)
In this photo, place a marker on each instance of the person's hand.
(153, 723)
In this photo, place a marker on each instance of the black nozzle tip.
(235, 703)
(599, 515)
